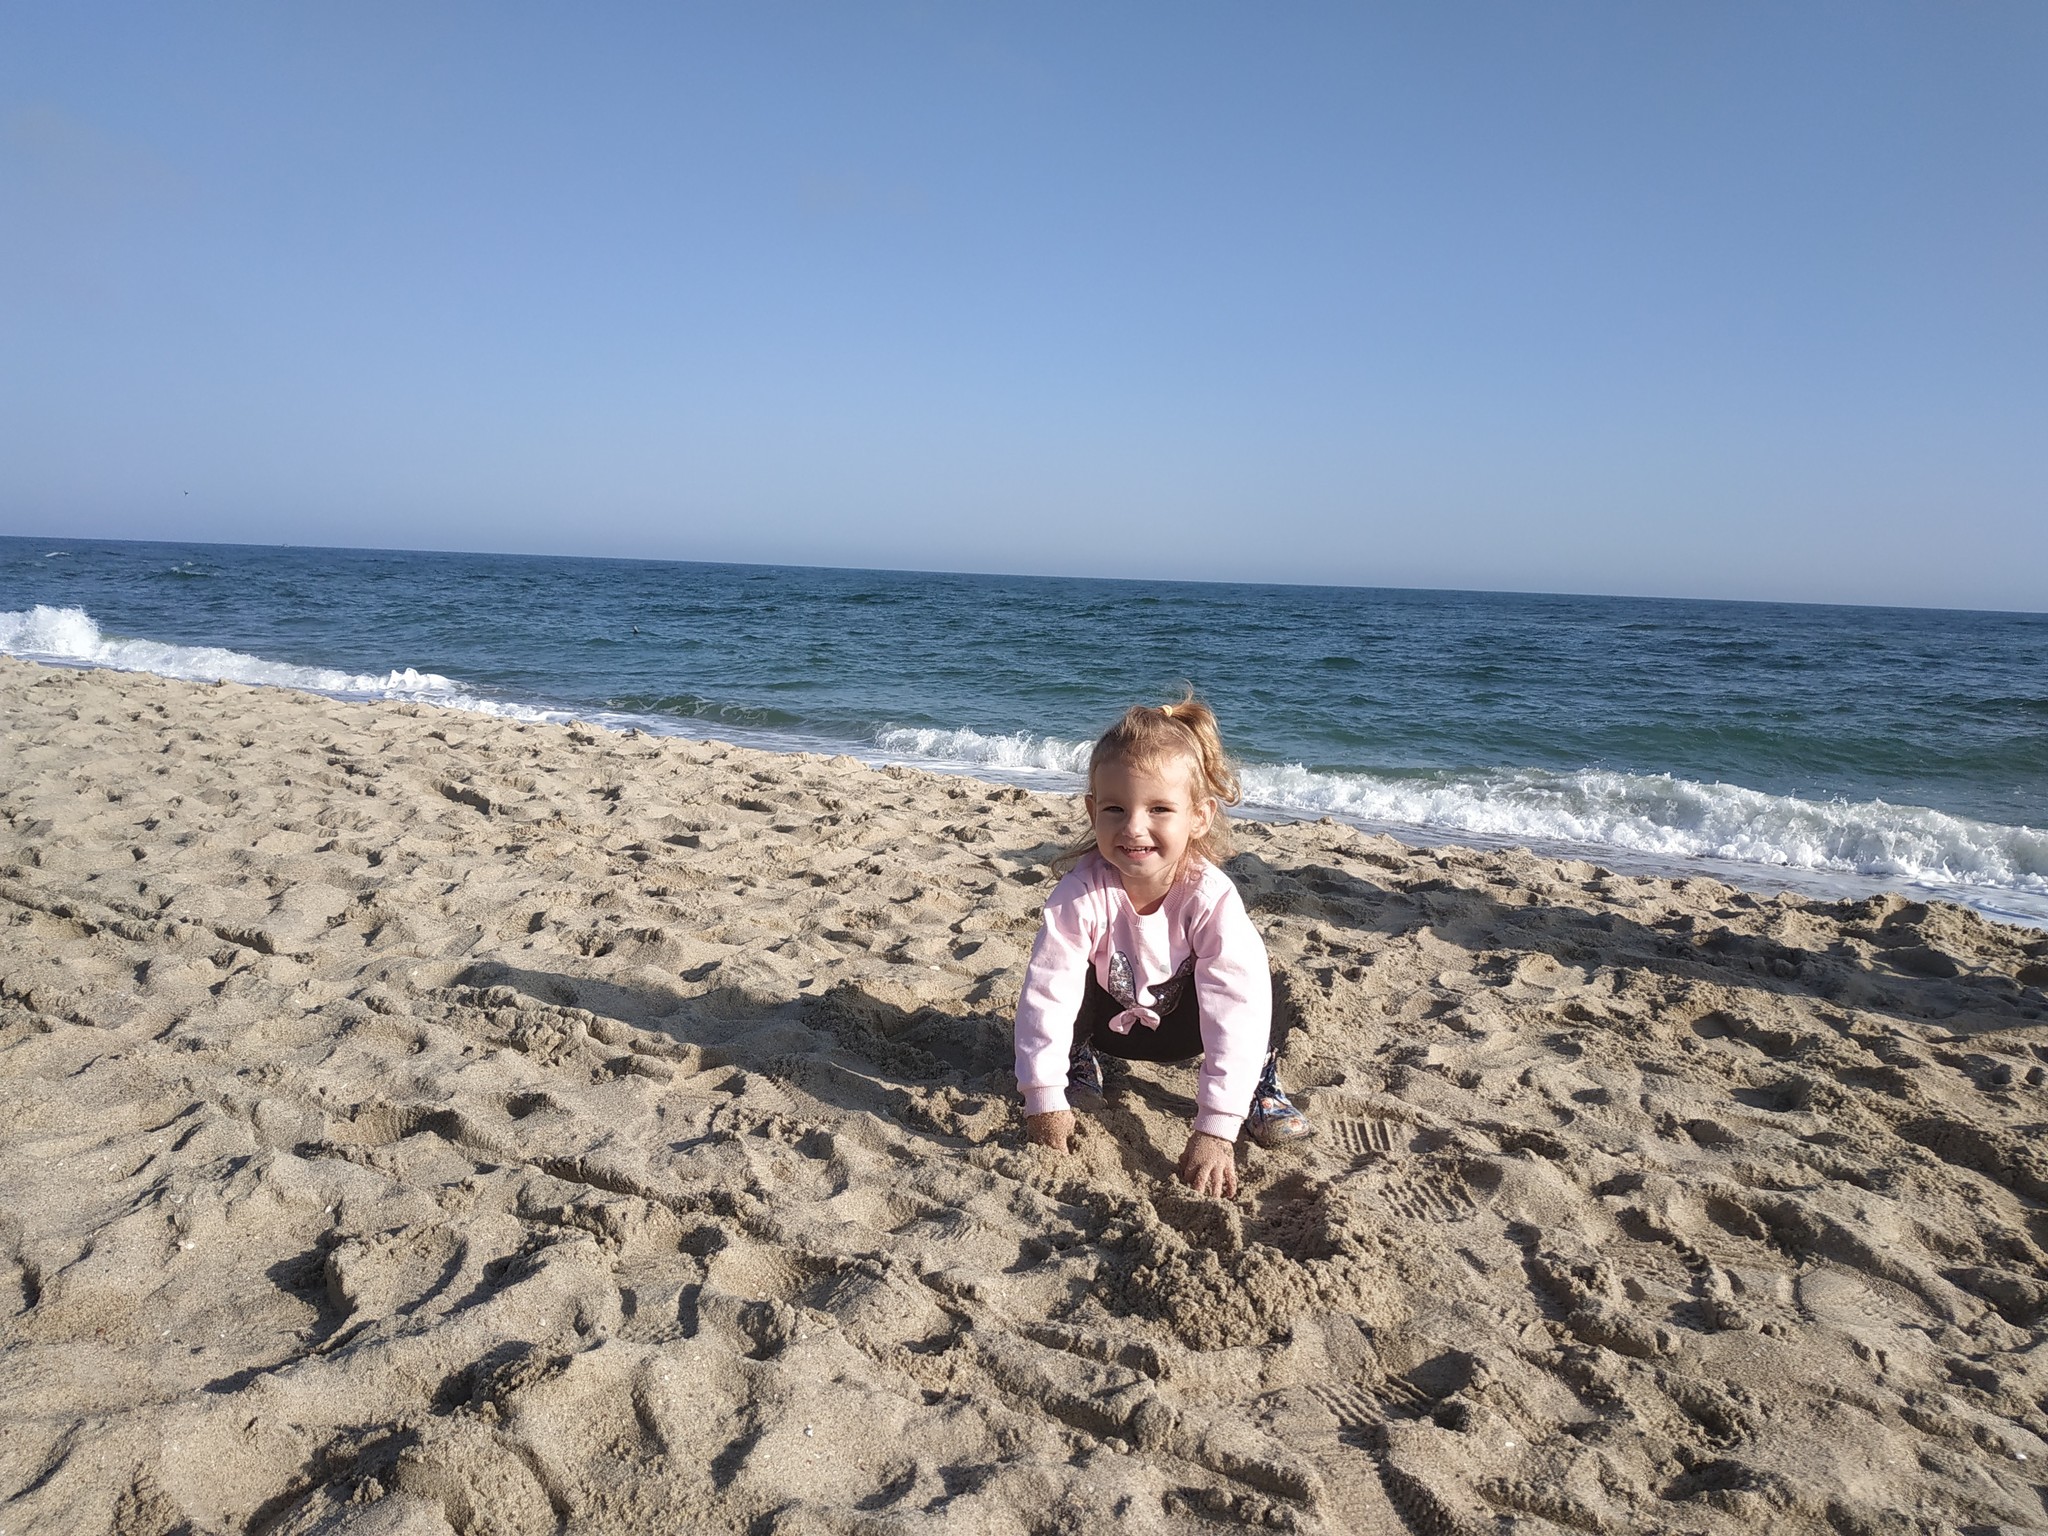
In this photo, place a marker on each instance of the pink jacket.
(1200, 928)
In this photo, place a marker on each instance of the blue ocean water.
(1819, 747)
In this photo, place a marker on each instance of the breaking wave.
(1018, 750)
(1658, 815)
(71, 635)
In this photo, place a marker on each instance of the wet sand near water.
(415, 1122)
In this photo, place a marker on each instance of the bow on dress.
(1133, 1016)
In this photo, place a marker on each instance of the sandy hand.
(1209, 1165)
(1053, 1130)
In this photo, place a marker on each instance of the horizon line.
(891, 570)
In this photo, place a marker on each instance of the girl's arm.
(1236, 991)
(1054, 983)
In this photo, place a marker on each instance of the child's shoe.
(1084, 1079)
(1274, 1122)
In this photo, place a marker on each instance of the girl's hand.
(1209, 1165)
(1051, 1130)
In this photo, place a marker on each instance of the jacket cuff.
(1045, 1101)
(1211, 1123)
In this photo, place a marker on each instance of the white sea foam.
(1664, 818)
(1673, 818)
(1015, 751)
(71, 635)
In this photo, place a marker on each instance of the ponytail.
(1216, 772)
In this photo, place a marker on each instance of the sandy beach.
(415, 1121)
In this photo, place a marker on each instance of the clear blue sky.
(1742, 300)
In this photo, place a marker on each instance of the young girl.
(1145, 951)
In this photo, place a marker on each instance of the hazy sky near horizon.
(1728, 300)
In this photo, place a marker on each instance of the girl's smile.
(1145, 816)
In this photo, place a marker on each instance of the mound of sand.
(412, 1121)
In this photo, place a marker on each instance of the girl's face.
(1145, 815)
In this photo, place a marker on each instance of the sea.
(1832, 751)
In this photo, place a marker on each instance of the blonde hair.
(1146, 737)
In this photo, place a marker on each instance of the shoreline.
(2014, 907)
(417, 1121)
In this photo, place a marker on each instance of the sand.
(413, 1121)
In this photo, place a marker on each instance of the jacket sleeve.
(1236, 992)
(1054, 983)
